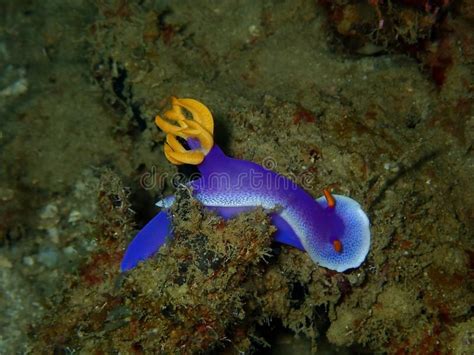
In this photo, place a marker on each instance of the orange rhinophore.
(329, 198)
(337, 245)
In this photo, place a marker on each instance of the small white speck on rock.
(74, 216)
(49, 211)
(28, 261)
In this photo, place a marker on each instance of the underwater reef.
(367, 99)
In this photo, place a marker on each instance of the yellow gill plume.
(175, 124)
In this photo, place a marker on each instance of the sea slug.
(333, 229)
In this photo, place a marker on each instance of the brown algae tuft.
(194, 295)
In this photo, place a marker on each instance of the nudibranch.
(333, 229)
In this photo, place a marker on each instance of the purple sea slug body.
(333, 229)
